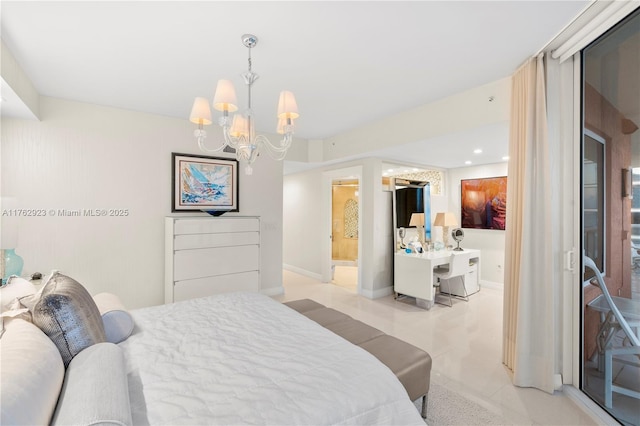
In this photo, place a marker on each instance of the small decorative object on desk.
(458, 235)
(415, 246)
(438, 245)
(10, 264)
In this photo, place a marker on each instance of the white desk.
(413, 273)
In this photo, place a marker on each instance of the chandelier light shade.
(287, 106)
(225, 98)
(239, 129)
(200, 113)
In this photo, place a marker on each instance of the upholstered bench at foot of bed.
(410, 364)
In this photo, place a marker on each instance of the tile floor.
(464, 342)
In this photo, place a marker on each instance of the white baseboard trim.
(491, 284)
(302, 272)
(274, 291)
(585, 403)
(377, 293)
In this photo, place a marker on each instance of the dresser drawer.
(199, 263)
(201, 287)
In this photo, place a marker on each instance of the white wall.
(453, 114)
(490, 242)
(83, 156)
(307, 225)
(302, 222)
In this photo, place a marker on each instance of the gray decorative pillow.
(67, 314)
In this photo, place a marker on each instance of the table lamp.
(417, 220)
(11, 263)
(446, 220)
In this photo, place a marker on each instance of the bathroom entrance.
(344, 233)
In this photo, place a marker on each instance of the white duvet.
(243, 358)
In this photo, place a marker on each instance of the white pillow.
(95, 390)
(118, 322)
(15, 288)
(32, 374)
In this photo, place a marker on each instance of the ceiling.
(349, 63)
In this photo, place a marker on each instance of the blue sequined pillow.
(67, 313)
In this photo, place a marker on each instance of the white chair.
(458, 266)
(613, 323)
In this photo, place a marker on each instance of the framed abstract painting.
(201, 183)
(484, 203)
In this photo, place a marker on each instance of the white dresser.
(211, 255)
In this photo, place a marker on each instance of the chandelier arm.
(276, 152)
(285, 143)
(206, 149)
(228, 139)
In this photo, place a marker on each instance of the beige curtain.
(529, 333)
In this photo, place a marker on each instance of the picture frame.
(202, 183)
(484, 203)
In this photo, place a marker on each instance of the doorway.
(342, 263)
(344, 233)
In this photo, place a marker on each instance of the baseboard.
(491, 284)
(597, 414)
(302, 272)
(274, 291)
(377, 293)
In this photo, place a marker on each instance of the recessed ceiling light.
(385, 174)
(505, 158)
(477, 151)
(390, 171)
(414, 170)
(467, 162)
(406, 171)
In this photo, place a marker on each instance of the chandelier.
(239, 129)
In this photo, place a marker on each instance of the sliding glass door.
(611, 217)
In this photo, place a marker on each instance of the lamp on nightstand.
(417, 220)
(10, 262)
(446, 220)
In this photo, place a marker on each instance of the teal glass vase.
(13, 264)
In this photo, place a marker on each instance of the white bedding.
(243, 358)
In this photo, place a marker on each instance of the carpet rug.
(447, 407)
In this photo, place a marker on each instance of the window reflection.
(611, 216)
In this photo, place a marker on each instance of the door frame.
(354, 172)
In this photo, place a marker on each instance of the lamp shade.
(287, 106)
(239, 126)
(200, 112)
(225, 97)
(445, 219)
(417, 219)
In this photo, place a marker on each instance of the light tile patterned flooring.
(464, 342)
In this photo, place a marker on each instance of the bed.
(243, 358)
(239, 358)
